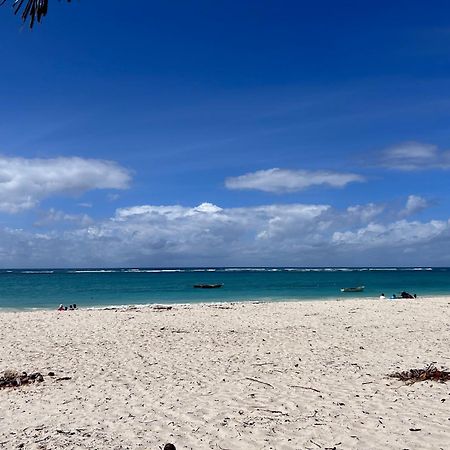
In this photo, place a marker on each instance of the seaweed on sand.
(431, 372)
(12, 378)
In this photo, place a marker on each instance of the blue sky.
(225, 133)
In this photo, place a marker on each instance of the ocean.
(47, 288)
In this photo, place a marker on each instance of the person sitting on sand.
(382, 297)
(60, 307)
(70, 308)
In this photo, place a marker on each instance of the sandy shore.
(297, 375)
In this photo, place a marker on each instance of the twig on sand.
(259, 381)
(273, 411)
(305, 387)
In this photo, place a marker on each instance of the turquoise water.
(24, 289)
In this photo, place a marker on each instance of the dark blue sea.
(47, 288)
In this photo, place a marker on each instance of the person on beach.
(382, 296)
(60, 307)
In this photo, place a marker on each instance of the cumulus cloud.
(284, 180)
(170, 211)
(207, 234)
(398, 234)
(414, 204)
(409, 156)
(207, 229)
(25, 182)
(365, 212)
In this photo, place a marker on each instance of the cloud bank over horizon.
(208, 235)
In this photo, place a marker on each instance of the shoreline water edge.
(46, 289)
(168, 306)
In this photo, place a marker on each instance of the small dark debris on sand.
(431, 372)
(161, 308)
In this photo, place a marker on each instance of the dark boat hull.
(208, 286)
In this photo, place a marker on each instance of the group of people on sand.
(61, 307)
(403, 294)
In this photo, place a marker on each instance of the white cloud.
(207, 208)
(169, 212)
(410, 156)
(25, 182)
(294, 234)
(414, 204)
(365, 213)
(284, 180)
(207, 228)
(397, 234)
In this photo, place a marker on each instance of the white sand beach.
(293, 375)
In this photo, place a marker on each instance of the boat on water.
(208, 286)
(353, 289)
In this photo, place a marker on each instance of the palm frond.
(31, 9)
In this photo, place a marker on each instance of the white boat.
(353, 289)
